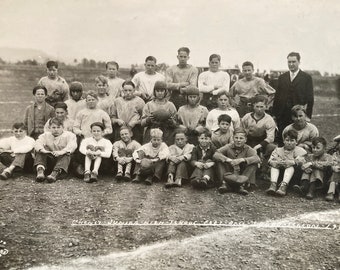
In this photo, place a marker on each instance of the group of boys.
(155, 126)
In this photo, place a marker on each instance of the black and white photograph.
(175, 134)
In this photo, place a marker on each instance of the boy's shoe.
(178, 182)
(271, 190)
(329, 197)
(148, 181)
(170, 181)
(53, 176)
(242, 191)
(94, 177)
(195, 182)
(303, 188)
(223, 188)
(87, 177)
(40, 175)
(5, 175)
(127, 177)
(119, 176)
(282, 191)
(137, 179)
(203, 183)
(311, 192)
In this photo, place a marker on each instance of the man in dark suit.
(294, 87)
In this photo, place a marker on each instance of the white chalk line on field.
(147, 254)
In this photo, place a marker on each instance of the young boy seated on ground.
(76, 102)
(37, 114)
(192, 115)
(236, 164)
(202, 161)
(15, 151)
(114, 82)
(260, 128)
(335, 179)
(57, 87)
(223, 135)
(179, 159)
(314, 168)
(127, 111)
(160, 113)
(95, 149)
(122, 154)
(150, 159)
(60, 109)
(53, 151)
(285, 158)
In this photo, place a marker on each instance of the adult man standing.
(180, 76)
(294, 87)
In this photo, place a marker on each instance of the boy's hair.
(129, 83)
(56, 121)
(151, 58)
(92, 94)
(206, 132)
(224, 117)
(259, 98)
(180, 130)
(76, 87)
(127, 128)
(19, 125)
(321, 140)
(50, 64)
(101, 79)
(61, 105)
(297, 108)
(156, 132)
(296, 54)
(223, 93)
(240, 130)
(184, 49)
(292, 134)
(98, 124)
(211, 57)
(248, 64)
(35, 89)
(112, 63)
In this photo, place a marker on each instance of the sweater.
(104, 145)
(21, 146)
(66, 141)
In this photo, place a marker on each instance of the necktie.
(292, 76)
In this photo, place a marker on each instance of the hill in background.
(19, 54)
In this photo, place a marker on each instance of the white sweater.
(22, 146)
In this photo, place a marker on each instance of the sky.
(260, 31)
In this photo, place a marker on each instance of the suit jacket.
(288, 94)
(29, 116)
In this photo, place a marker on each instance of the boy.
(202, 161)
(76, 102)
(159, 113)
(335, 179)
(285, 158)
(37, 114)
(15, 151)
(127, 111)
(150, 159)
(212, 82)
(114, 82)
(61, 114)
(122, 154)
(178, 159)
(223, 135)
(95, 149)
(314, 168)
(180, 76)
(53, 151)
(145, 80)
(89, 115)
(247, 88)
(104, 101)
(57, 87)
(237, 163)
(192, 115)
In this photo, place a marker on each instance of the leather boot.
(271, 190)
(282, 191)
(223, 188)
(40, 174)
(178, 182)
(53, 176)
(303, 188)
(170, 181)
(311, 192)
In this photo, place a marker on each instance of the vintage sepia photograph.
(175, 134)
